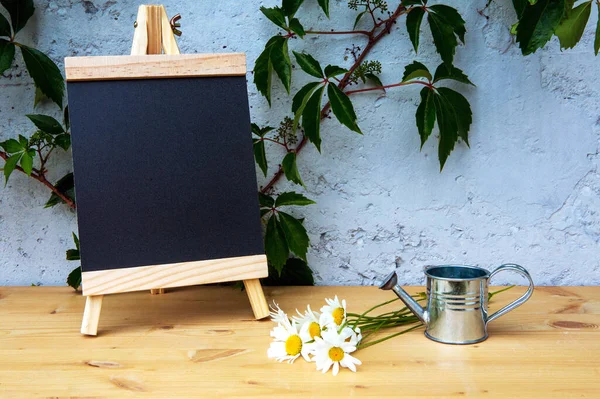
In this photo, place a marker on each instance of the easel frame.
(153, 34)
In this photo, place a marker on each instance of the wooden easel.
(154, 34)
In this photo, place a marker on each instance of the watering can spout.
(391, 283)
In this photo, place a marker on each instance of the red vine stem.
(374, 38)
(37, 175)
(338, 32)
(389, 86)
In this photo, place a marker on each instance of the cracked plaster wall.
(528, 190)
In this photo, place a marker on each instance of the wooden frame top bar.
(154, 66)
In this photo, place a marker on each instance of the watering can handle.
(520, 270)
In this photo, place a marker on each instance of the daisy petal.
(336, 368)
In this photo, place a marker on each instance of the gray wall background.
(528, 190)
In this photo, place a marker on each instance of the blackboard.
(164, 171)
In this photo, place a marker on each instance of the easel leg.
(91, 315)
(257, 298)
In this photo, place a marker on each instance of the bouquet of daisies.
(325, 338)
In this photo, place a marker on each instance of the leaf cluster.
(284, 233)
(539, 20)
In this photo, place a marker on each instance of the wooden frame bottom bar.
(247, 268)
(140, 278)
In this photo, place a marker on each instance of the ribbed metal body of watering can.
(457, 299)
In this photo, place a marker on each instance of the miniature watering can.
(457, 299)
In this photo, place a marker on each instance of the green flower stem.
(491, 294)
(366, 345)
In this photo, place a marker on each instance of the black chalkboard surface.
(164, 171)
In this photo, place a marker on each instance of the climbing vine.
(329, 94)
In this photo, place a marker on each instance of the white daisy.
(333, 350)
(309, 322)
(279, 316)
(355, 335)
(333, 313)
(287, 344)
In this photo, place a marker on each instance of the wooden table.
(203, 342)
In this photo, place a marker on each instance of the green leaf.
(374, 78)
(261, 131)
(12, 146)
(63, 141)
(413, 25)
(280, 59)
(76, 240)
(9, 166)
(519, 6)
(444, 71)
(39, 97)
(66, 120)
(20, 11)
(4, 27)
(66, 186)
(537, 24)
(295, 272)
(292, 198)
(260, 155)
(452, 17)
(275, 15)
(302, 96)
(342, 107)
(571, 28)
(309, 64)
(416, 70)
(332, 70)
(265, 200)
(291, 169)
(407, 3)
(73, 254)
(444, 37)
(311, 117)
(297, 27)
(27, 161)
(325, 6)
(23, 141)
(425, 114)
(358, 17)
(276, 246)
(74, 278)
(264, 211)
(597, 39)
(448, 130)
(44, 73)
(7, 55)
(454, 118)
(263, 71)
(460, 108)
(46, 123)
(291, 6)
(295, 235)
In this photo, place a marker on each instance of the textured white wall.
(528, 190)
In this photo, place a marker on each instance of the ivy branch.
(379, 30)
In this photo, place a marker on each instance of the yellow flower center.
(338, 316)
(314, 329)
(293, 345)
(336, 354)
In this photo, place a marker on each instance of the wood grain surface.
(154, 66)
(203, 342)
